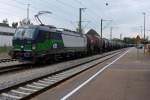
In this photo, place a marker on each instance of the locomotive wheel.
(35, 60)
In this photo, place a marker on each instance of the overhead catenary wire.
(65, 12)
(61, 14)
(46, 4)
(19, 8)
(66, 4)
(66, 15)
(8, 12)
(80, 2)
(25, 4)
(91, 15)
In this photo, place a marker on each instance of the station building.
(6, 34)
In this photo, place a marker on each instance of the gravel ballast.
(12, 79)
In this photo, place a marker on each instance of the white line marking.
(87, 81)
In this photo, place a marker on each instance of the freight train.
(44, 42)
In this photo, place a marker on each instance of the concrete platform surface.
(126, 79)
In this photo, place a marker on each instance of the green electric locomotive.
(33, 42)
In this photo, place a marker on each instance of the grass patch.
(5, 49)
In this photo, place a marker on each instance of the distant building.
(6, 35)
(5, 30)
(4, 24)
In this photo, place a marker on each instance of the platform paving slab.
(126, 79)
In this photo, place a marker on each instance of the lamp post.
(28, 5)
(111, 28)
(102, 20)
(144, 30)
(80, 19)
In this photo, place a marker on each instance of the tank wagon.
(36, 42)
(94, 41)
(97, 44)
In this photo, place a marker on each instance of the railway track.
(27, 89)
(12, 65)
(7, 60)
(7, 65)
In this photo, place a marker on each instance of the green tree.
(5, 21)
(129, 40)
(15, 24)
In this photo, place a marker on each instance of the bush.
(5, 49)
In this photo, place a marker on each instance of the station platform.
(126, 79)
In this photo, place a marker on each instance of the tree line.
(5, 23)
(129, 40)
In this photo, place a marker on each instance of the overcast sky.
(126, 15)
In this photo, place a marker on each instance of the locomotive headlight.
(22, 47)
(33, 47)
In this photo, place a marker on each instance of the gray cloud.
(126, 14)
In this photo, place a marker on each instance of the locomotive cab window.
(42, 35)
(55, 36)
(24, 33)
